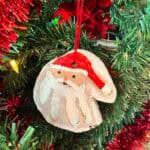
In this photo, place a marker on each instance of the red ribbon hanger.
(78, 24)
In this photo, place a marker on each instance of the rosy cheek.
(79, 80)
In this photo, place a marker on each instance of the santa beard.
(65, 104)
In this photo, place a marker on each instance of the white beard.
(50, 93)
(50, 84)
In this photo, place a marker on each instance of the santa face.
(66, 97)
(67, 77)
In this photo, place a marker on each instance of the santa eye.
(73, 76)
(59, 72)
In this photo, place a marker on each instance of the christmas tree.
(34, 32)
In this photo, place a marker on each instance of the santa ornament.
(68, 88)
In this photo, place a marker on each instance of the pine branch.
(43, 43)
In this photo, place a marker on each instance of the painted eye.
(73, 76)
(59, 72)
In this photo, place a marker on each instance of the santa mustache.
(68, 83)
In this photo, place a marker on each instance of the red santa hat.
(78, 62)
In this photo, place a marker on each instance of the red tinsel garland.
(133, 137)
(96, 17)
(10, 105)
(11, 11)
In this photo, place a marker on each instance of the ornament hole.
(74, 64)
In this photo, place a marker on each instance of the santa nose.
(65, 78)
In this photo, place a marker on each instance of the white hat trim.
(69, 69)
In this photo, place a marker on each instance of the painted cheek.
(79, 80)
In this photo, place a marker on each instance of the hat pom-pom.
(107, 89)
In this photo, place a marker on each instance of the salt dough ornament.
(68, 87)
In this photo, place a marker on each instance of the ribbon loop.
(78, 24)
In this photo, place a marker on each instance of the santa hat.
(80, 62)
